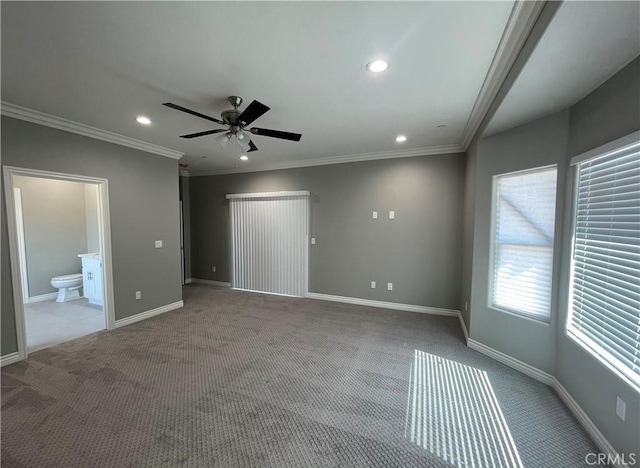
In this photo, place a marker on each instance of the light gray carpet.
(236, 379)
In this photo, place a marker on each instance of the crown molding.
(349, 158)
(519, 25)
(48, 120)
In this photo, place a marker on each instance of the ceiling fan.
(236, 122)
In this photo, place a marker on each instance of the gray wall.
(55, 229)
(8, 339)
(93, 224)
(419, 251)
(540, 143)
(610, 112)
(467, 231)
(143, 198)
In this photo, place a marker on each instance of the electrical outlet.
(213, 269)
(313, 241)
(392, 215)
(138, 295)
(373, 285)
(158, 244)
(375, 215)
(621, 408)
(390, 286)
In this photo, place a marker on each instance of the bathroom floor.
(49, 322)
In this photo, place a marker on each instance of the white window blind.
(523, 232)
(604, 311)
(269, 242)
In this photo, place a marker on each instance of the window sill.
(523, 315)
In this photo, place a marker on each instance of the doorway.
(58, 229)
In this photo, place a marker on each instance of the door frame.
(22, 252)
(104, 230)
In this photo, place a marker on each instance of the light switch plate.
(390, 286)
(373, 285)
(138, 295)
(392, 215)
(158, 244)
(313, 241)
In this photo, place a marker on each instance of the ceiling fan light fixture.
(223, 139)
(377, 66)
(401, 139)
(244, 143)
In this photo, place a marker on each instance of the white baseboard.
(148, 314)
(188, 280)
(42, 297)
(9, 359)
(384, 305)
(600, 440)
(220, 284)
(512, 362)
(464, 328)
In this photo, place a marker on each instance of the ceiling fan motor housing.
(230, 116)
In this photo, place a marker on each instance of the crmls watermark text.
(593, 459)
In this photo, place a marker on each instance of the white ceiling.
(104, 63)
(585, 44)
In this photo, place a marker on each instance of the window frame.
(545, 320)
(593, 349)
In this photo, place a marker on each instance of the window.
(524, 219)
(604, 297)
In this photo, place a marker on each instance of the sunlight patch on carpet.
(453, 413)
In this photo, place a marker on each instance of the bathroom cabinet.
(92, 277)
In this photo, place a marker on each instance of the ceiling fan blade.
(189, 111)
(252, 112)
(208, 132)
(252, 147)
(276, 134)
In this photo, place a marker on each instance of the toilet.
(68, 287)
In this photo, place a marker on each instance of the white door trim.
(105, 244)
(22, 251)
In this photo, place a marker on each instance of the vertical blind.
(524, 221)
(269, 242)
(604, 310)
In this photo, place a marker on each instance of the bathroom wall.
(91, 210)
(55, 229)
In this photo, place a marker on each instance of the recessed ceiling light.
(141, 119)
(377, 66)
(401, 139)
(244, 157)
